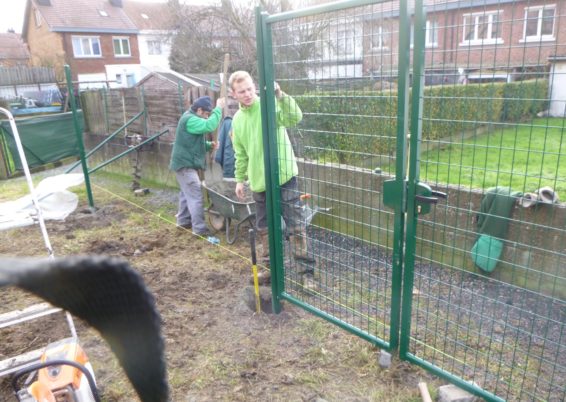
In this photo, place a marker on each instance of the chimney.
(115, 3)
(44, 2)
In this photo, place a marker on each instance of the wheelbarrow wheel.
(231, 235)
(215, 220)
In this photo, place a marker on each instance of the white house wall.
(152, 62)
(124, 75)
(558, 89)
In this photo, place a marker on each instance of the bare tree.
(204, 34)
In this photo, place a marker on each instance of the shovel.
(254, 270)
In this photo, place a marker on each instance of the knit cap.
(204, 102)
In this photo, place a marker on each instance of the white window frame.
(539, 37)
(37, 16)
(345, 41)
(475, 26)
(78, 46)
(152, 44)
(382, 35)
(431, 33)
(428, 42)
(120, 39)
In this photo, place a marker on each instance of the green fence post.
(71, 95)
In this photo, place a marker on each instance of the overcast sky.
(12, 12)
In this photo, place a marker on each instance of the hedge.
(349, 125)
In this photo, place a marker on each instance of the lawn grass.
(523, 156)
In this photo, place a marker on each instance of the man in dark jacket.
(225, 153)
(188, 157)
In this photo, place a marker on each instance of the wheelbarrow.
(225, 211)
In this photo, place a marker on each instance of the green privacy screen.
(45, 139)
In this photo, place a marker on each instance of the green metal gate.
(423, 141)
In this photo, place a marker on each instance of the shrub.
(347, 126)
(524, 99)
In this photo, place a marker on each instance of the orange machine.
(64, 381)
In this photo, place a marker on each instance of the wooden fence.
(23, 75)
(107, 110)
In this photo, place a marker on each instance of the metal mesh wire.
(505, 330)
(318, 60)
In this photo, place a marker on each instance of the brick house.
(472, 40)
(13, 50)
(95, 37)
(494, 40)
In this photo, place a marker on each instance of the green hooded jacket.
(190, 147)
(248, 142)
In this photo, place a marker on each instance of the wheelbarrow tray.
(221, 197)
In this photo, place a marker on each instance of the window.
(119, 79)
(154, 47)
(37, 18)
(379, 39)
(539, 23)
(431, 34)
(345, 42)
(121, 47)
(482, 28)
(86, 46)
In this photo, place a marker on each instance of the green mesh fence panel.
(345, 146)
(492, 131)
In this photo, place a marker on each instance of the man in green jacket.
(248, 148)
(188, 157)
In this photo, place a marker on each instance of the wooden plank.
(13, 364)
(27, 314)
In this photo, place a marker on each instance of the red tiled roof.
(84, 15)
(13, 47)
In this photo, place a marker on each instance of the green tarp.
(45, 138)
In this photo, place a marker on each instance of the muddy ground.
(217, 349)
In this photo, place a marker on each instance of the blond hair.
(237, 77)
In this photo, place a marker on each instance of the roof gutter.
(95, 30)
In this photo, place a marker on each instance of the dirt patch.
(216, 347)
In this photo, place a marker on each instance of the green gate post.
(79, 134)
(400, 172)
(414, 149)
(269, 129)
